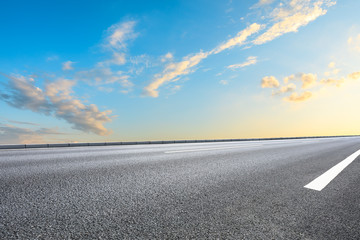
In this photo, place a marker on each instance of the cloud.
(167, 57)
(269, 82)
(119, 34)
(52, 58)
(23, 123)
(250, 61)
(290, 17)
(10, 134)
(224, 82)
(308, 80)
(285, 89)
(289, 78)
(173, 71)
(57, 100)
(102, 76)
(354, 43)
(67, 65)
(239, 39)
(86, 118)
(295, 97)
(331, 65)
(330, 81)
(116, 42)
(23, 94)
(262, 3)
(354, 75)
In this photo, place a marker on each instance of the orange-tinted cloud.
(295, 97)
(269, 82)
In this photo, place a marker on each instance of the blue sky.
(88, 71)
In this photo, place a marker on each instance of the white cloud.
(290, 17)
(269, 82)
(173, 71)
(120, 33)
(239, 39)
(67, 65)
(118, 36)
(56, 100)
(250, 61)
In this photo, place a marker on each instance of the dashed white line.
(210, 149)
(320, 182)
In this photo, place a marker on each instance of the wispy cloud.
(224, 82)
(239, 39)
(354, 43)
(116, 41)
(68, 65)
(10, 134)
(249, 61)
(173, 71)
(119, 34)
(295, 97)
(291, 16)
(262, 3)
(56, 100)
(104, 76)
(23, 123)
(52, 58)
(288, 17)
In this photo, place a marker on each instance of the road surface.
(225, 190)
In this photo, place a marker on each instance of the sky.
(95, 71)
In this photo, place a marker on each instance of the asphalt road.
(227, 190)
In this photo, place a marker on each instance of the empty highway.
(275, 189)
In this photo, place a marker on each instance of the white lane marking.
(209, 149)
(320, 182)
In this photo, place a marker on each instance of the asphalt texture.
(227, 190)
